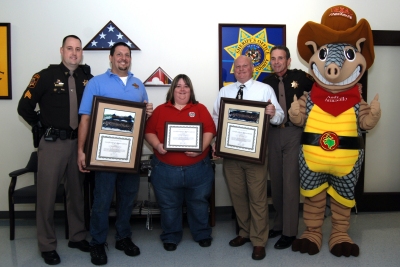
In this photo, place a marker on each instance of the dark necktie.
(282, 98)
(73, 102)
(240, 92)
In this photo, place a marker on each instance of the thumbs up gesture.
(375, 106)
(294, 107)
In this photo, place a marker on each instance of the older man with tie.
(247, 182)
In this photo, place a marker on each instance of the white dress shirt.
(254, 90)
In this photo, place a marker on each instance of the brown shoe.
(258, 253)
(238, 241)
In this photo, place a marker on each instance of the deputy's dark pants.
(58, 160)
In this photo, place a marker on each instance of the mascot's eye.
(350, 54)
(323, 53)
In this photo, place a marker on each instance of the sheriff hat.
(338, 25)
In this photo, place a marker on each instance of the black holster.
(37, 133)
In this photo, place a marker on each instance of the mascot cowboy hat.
(338, 25)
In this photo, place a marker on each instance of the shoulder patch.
(34, 80)
(309, 77)
(28, 94)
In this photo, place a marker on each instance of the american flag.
(107, 37)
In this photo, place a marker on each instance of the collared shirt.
(49, 89)
(296, 82)
(110, 85)
(255, 91)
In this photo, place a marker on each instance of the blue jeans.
(127, 188)
(175, 184)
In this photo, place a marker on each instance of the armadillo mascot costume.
(339, 50)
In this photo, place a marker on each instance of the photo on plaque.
(185, 137)
(244, 115)
(115, 136)
(118, 120)
(242, 130)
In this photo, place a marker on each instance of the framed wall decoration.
(5, 61)
(158, 78)
(115, 136)
(107, 37)
(252, 40)
(243, 130)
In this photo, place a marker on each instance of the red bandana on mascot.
(339, 50)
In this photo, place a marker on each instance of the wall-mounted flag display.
(107, 37)
(158, 78)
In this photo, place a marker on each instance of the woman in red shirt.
(181, 176)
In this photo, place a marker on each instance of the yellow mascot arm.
(369, 115)
(297, 111)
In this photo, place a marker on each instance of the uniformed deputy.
(58, 95)
(283, 148)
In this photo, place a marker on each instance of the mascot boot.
(313, 214)
(340, 244)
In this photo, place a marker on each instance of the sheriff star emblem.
(85, 82)
(295, 84)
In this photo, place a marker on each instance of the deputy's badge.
(34, 80)
(295, 84)
(58, 83)
(135, 85)
(85, 82)
(192, 114)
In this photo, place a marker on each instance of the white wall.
(181, 37)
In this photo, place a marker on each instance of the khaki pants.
(247, 184)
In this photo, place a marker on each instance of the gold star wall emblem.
(254, 46)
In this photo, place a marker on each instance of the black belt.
(345, 142)
(65, 134)
(283, 125)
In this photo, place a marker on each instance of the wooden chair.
(28, 194)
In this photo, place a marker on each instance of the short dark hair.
(72, 36)
(281, 47)
(112, 50)
(188, 82)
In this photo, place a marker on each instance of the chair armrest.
(19, 172)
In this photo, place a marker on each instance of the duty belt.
(330, 141)
(65, 134)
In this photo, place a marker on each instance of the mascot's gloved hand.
(294, 107)
(296, 113)
(375, 106)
